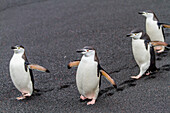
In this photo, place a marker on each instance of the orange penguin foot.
(20, 98)
(159, 49)
(24, 95)
(148, 73)
(136, 77)
(91, 102)
(82, 97)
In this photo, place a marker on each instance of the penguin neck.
(133, 39)
(18, 55)
(88, 57)
(150, 19)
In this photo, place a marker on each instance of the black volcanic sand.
(52, 30)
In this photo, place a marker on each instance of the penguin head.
(135, 34)
(18, 49)
(87, 51)
(147, 14)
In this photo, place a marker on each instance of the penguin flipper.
(164, 25)
(38, 67)
(73, 64)
(108, 78)
(159, 43)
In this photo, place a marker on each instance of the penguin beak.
(13, 47)
(128, 35)
(80, 50)
(140, 12)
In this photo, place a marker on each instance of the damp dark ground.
(52, 30)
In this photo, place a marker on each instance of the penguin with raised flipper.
(143, 51)
(154, 28)
(21, 73)
(88, 74)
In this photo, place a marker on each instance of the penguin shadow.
(104, 91)
(164, 68)
(151, 76)
(67, 85)
(160, 70)
(131, 82)
(126, 84)
(85, 100)
(43, 90)
(64, 86)
(38, 92)
(167, 34)
(121, 87)
(160, 56)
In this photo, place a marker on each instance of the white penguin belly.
(19, 76)
(140, 53)
(153, 31)
(87, 79)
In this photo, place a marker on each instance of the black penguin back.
(152, 66)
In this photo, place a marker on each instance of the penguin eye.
(18, 47)
(88, 50)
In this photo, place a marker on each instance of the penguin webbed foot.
(21, 97)
(91, 102)
(160, 51)
(148, 73)
(24, 95)
(136, 77)
(82, 97)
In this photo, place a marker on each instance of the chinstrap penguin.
(154, 28)
(88, 74)
(143, 52)
(21, 73)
